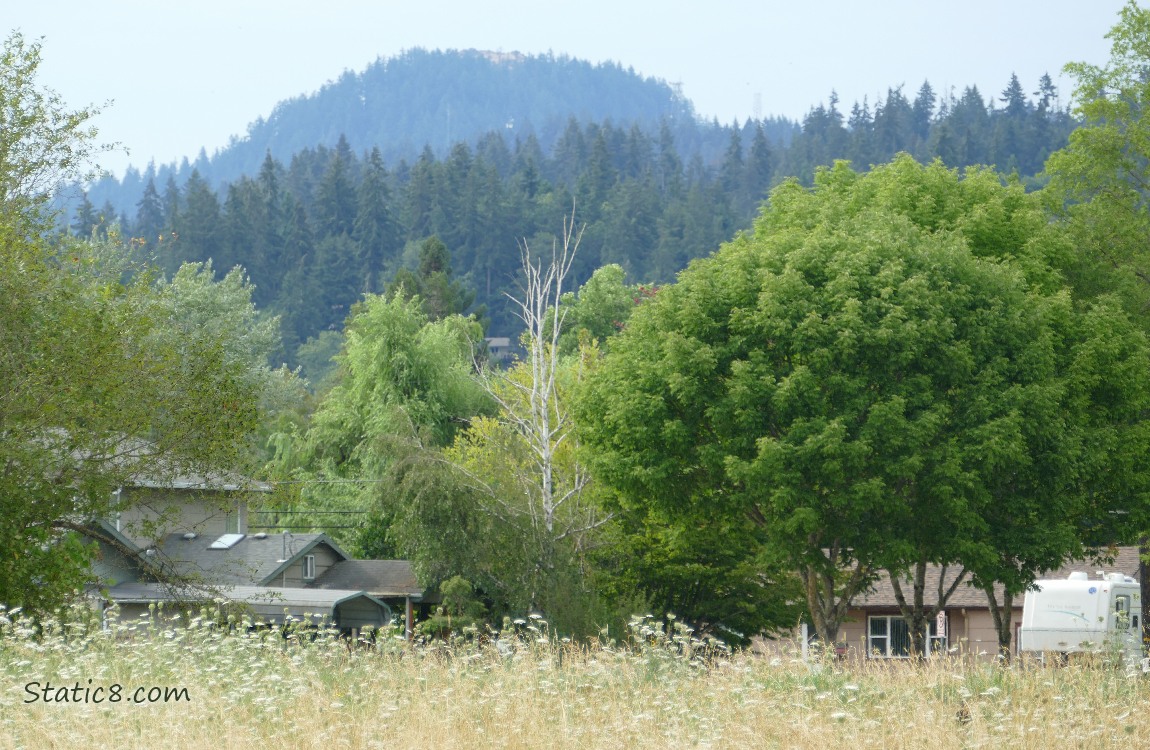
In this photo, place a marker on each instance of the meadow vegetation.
(658, 686)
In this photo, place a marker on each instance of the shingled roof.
(382, 578)
(967, 596)
(255, 559)
(271, 604)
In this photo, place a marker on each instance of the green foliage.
(475, 509)
(42, 143)
(316, 358)
(700, 572)
(461, 613)
(194, 301)
(432, 282)
(600, 308)
(101, 387)
(400, 372)
(884, 366)
(403, 383)
(1098, 182)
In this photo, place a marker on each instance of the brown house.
(875, 629)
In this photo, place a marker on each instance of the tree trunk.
(1002, 619)
(916, 613)
(829, 596)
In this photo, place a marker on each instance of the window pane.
(878, 625)
(899, 637)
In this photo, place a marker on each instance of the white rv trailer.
(1080, 614)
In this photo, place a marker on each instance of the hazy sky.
(181, 76)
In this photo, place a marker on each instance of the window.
(1122, 612)
(309, 567)
(235, 519)
(888, 636)
(936, 642)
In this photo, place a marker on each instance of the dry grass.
(523, 693)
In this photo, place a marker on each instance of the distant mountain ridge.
(432, 98)
(438, 98)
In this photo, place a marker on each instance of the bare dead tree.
(531, 406)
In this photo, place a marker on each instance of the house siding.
(971, 632)
(325, 557)
(151, 514)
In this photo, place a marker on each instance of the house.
(347, 610)
(391, 581)
(499, 349)
(203, 504)
(186, 541)
(874, 628)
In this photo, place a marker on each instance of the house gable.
(251, 559)
(117, 558)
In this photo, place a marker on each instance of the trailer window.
(1122, 612)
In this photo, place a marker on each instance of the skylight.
(227, 541)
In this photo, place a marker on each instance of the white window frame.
(309, 567)
(935, 643)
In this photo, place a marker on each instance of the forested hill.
(321, 226)
(436, 99)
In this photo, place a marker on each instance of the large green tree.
(100, 386)
(1100, 182)
(100, 390)
(864, 382)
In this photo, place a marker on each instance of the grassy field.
(233, 691)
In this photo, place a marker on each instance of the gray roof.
(264, 601)
(383, 578)
(102, 531)
(253, 560)
(217, 482)
(969, 597)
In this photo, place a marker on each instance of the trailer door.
(1124, 623)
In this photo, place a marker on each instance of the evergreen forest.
(656, 186)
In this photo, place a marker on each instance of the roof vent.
(189, 536)
(227, 541)
(260, 535)
(1078, 575)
